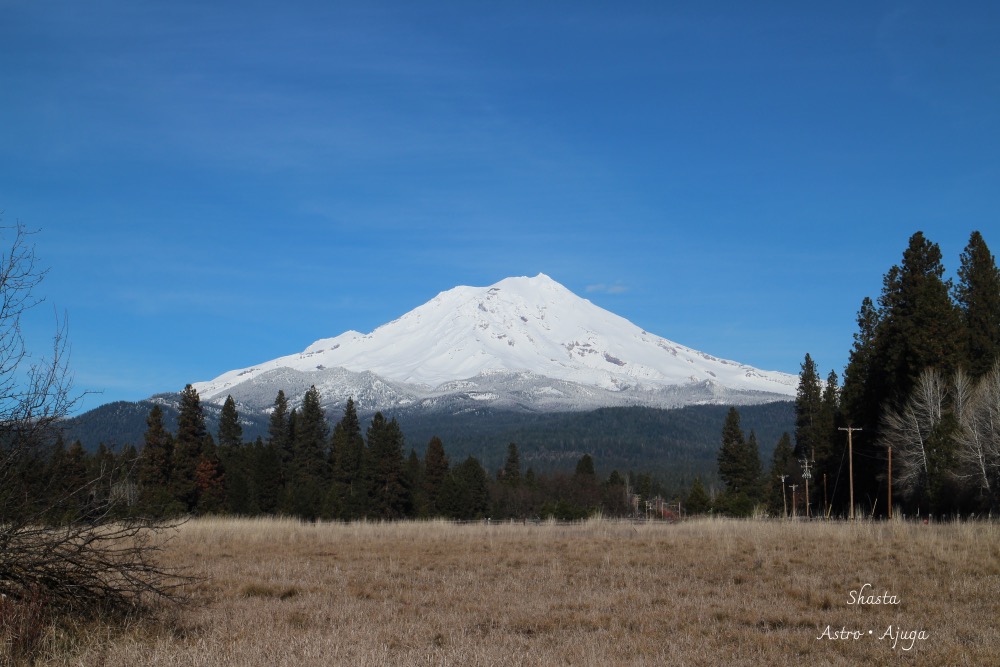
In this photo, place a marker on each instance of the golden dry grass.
(706, 592)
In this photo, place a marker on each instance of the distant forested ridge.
(675, 445)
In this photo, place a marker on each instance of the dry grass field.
(703, 592)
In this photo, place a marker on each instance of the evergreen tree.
(585, 466)
(349, 495)
(808, 402)
(862, 385)
(435, 473)
(739, 467)
(754, 475)
(210, 479)
(230, 430)
(586, 492)
(264, 476)
(466, 494)
(188, 448)
(978, 298)
(155, 465)
(277, 429)
(237, 465)
(308, 470)
(510, 474)
(389, 495)
(697, 501)
(413, 480)
(732, 459)
(920, 326)
(829, 447)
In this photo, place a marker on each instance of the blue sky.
(218, 184)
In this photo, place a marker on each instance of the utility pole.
(794, 486)
(826, 501)
(784, 502)
(806, 475)
(890, 482)
(850, 464)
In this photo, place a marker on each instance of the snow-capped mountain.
(525, 343)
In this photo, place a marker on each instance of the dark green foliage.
(739, 467)
(920, 325)
(732, 459)
(978, 296)
(390, 497)
(435, 473)
(697, 501)
(676, 445)
(817, 408)
(308, 473)
(278, 429)
(585, 466)
(155, 467)
(466, 492)
(413, 480)
(250, 479)
(348, 497)
(862, 384)
(265, 479)
(808, 400)
(510, 474)
(210, 480)
(188, 448)
(230, 431)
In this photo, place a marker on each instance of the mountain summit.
(525, 343)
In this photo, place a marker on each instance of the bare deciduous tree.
(909, 430)
(71, 548)
(979, 438)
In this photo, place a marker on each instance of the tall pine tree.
(435, 473)
(308, 471)
(188, 448)
(389, 495)
(349, 493)
(808, 406)
(739, 467)
(230, 430)
(920, 325)
(978, 296)
(157, 457)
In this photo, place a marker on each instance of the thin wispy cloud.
(605, 288)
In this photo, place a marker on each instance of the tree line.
(306, 469)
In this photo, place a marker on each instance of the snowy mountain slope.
(523, 342)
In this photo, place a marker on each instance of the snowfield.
(521, 343)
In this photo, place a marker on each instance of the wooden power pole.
(784, 500)
(850, 465)
(890, 482)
